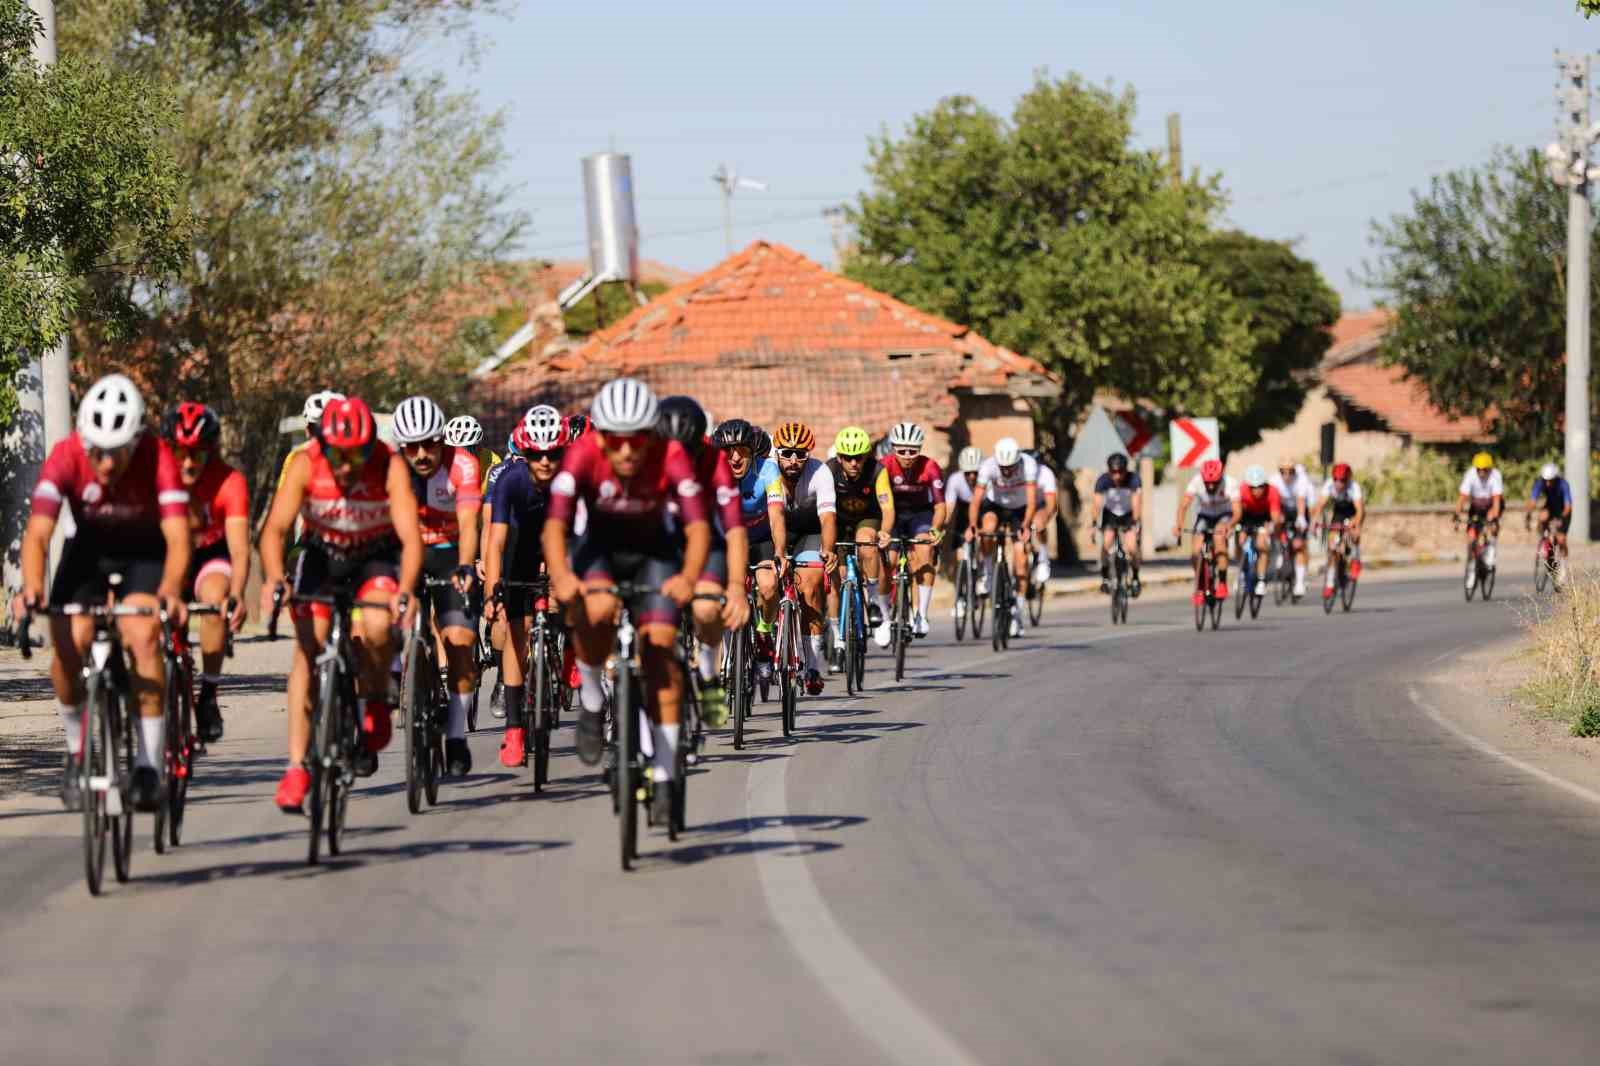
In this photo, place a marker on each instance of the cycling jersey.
(354, 522)
(631, 510)
(754, 490)
(495, 472)
(1482, 490)
(487, 461)
(455, 485)
(811, 497)
(1118, 498)
(131, 508)
(957, 491)
(1343, 500)
(1047, 482)
(1213, 504)
(288, 460)
(522, 502)
(720, 490)
(1260, 503)
(1008, 490)
(857, 500)
(1296, 493)
(1556, 495)
(917, 489)
(220, 493)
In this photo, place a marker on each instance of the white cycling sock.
(666, 745)
(707, 660)
(152, 734)
(459, 706)
(880, 601)
(1300, 573)
(924, 598)
(72, 725)
(590, 694)
(813, 651)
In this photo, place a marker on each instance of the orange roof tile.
(1402, 403)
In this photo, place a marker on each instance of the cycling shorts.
(1009, 516)
(1116, 521)
(89, 559)
(1205, 523)
(914, 524)
(599, 563)
(450, 607)
(521, 603)
(317, 572)
(806, 548)
(762, 552)
(848, 532)
(1251, 521)
(203, 563)
(1559, 523)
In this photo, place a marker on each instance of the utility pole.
(728, 181)
(1569, 167)
(1175, 149)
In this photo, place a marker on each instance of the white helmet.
(316, 403)
(417, 419)
(543, 427)
(626, 405)
(463, 431)
(1007, 452)
(111, 414)
(906, 435)
(1255, 476)
(970, 459)
(1549, 471)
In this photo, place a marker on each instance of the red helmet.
(192, 425)
(1211, 470)
(1341, 471)
(348, 424)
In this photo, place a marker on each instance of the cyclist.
(1341, 495)
(1119, 501)
(1258, 513)
(131, 513)
(219, 564)
(1213, 494)
(627, 474)
(1007, 491)
(464, 431)
(866, 514)
(516, 440)
(803, 511)
(1049, 507)
(514, 552)
(447, 484)
(1552, 498)
(684, 420)
(1481, 499)
(353, 496)
(315, 404)
(958, 498)
(755, 474)
(1298, 498)
(917, 484)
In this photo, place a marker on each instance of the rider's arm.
(1137, 507)
(469, 481)
(35, 551)
(975, 508)
(235, 502)
(885, 494)
(1031, 507)
(175, 531)
(1183, 510)
(940, 506)
(280, 518)
(553, 539)
(1497, 505)
(496, 535)
(403, 512)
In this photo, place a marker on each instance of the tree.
(1589, 8)
(1476, 272)
(343, 192)
(1052, 235)
(88, 193)
(1290, 309)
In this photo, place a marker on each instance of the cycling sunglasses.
(554, 455)
(201, 456)
(353, 456)
(615, 441)
(908, 453)
(417, 447)
(120, 452)
(791, 453)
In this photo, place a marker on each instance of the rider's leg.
(211, 587)
(460, 649)
(664, 691)
(1219, 541)
(310, 633)
(871, 566)
(708, 627)
(808, 583)
(1130, 546)
(70, 637)
(767, 592)
(923, 573)
(141, 636)
(593, 636)
(988, 525)
(1263, 548)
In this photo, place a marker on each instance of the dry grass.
(1565, 635)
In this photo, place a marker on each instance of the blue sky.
(1317, 119)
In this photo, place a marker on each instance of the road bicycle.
(1280, 568)
(544, 675)
(1207, 605)
(1244, 592)
(424, 704)
(1479, 574)
(1036, 588)
(182, 744)
(106, 763)
(852, 629)
(788, 649)
(1002, 585)
(1121, 584)
(969, 606)
(901, 626)
(739, 664)
(1547, 561)
(1339, 584)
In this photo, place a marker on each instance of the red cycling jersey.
(916, 490)
(220, 493)
(353, 522)
(627, 509)
(720, 488)
(456, 484)
(132, 507)
(1262, 501)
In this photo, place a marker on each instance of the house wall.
(1302, 438)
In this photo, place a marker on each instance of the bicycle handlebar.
(74, 610)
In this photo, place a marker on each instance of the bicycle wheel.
(847, 622)
(537, 713)
(1257, 594)
(788, 687)
(1347, 594)
(1241, 588)
(902, 623)
(1035, 601)
(319, 761)
(1005, 605)
(1486, 583)
(95, 768)
(179, 798)
(416, 737)
(740, 687)
(963, 603)
(1216, 614)
(122, 777)
(171, 743)
(345, 738)
(627, 727)
(1201, 609)
(1469, 581)
(858, 662)
(1541, 567)
(980, 604)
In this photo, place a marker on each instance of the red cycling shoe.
(513, 750)
(377, 726)
(292, 790)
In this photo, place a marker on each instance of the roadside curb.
(1082, 586)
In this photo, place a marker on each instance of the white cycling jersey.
(1297, 492)
(1008, 491)
(813, 490)
(1047, 482)
(1213, 505)
(956, 489)
(1349, 496)
(1483, 490)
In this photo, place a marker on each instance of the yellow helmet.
(1482, 461)
(795, 435)
(852, 441)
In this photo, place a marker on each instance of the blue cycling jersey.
(753, 490)
(1556, 495)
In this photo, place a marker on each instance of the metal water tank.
(613, 231)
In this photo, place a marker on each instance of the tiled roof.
(1356, 334)
(831, 350)
(1402, 403)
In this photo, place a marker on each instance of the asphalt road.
(1139, 844)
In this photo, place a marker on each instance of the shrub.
(1566, 644)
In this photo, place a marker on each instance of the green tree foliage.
(1476, 271)
(342, 191)
(1290, 308)
(584, 318)
(1052, 235)
(88, 191)
(1589, 8)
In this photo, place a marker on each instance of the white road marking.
(1479, 744)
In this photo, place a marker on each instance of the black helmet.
(763, 444)
(1117, 462)
(684, 420)
(734, 433)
